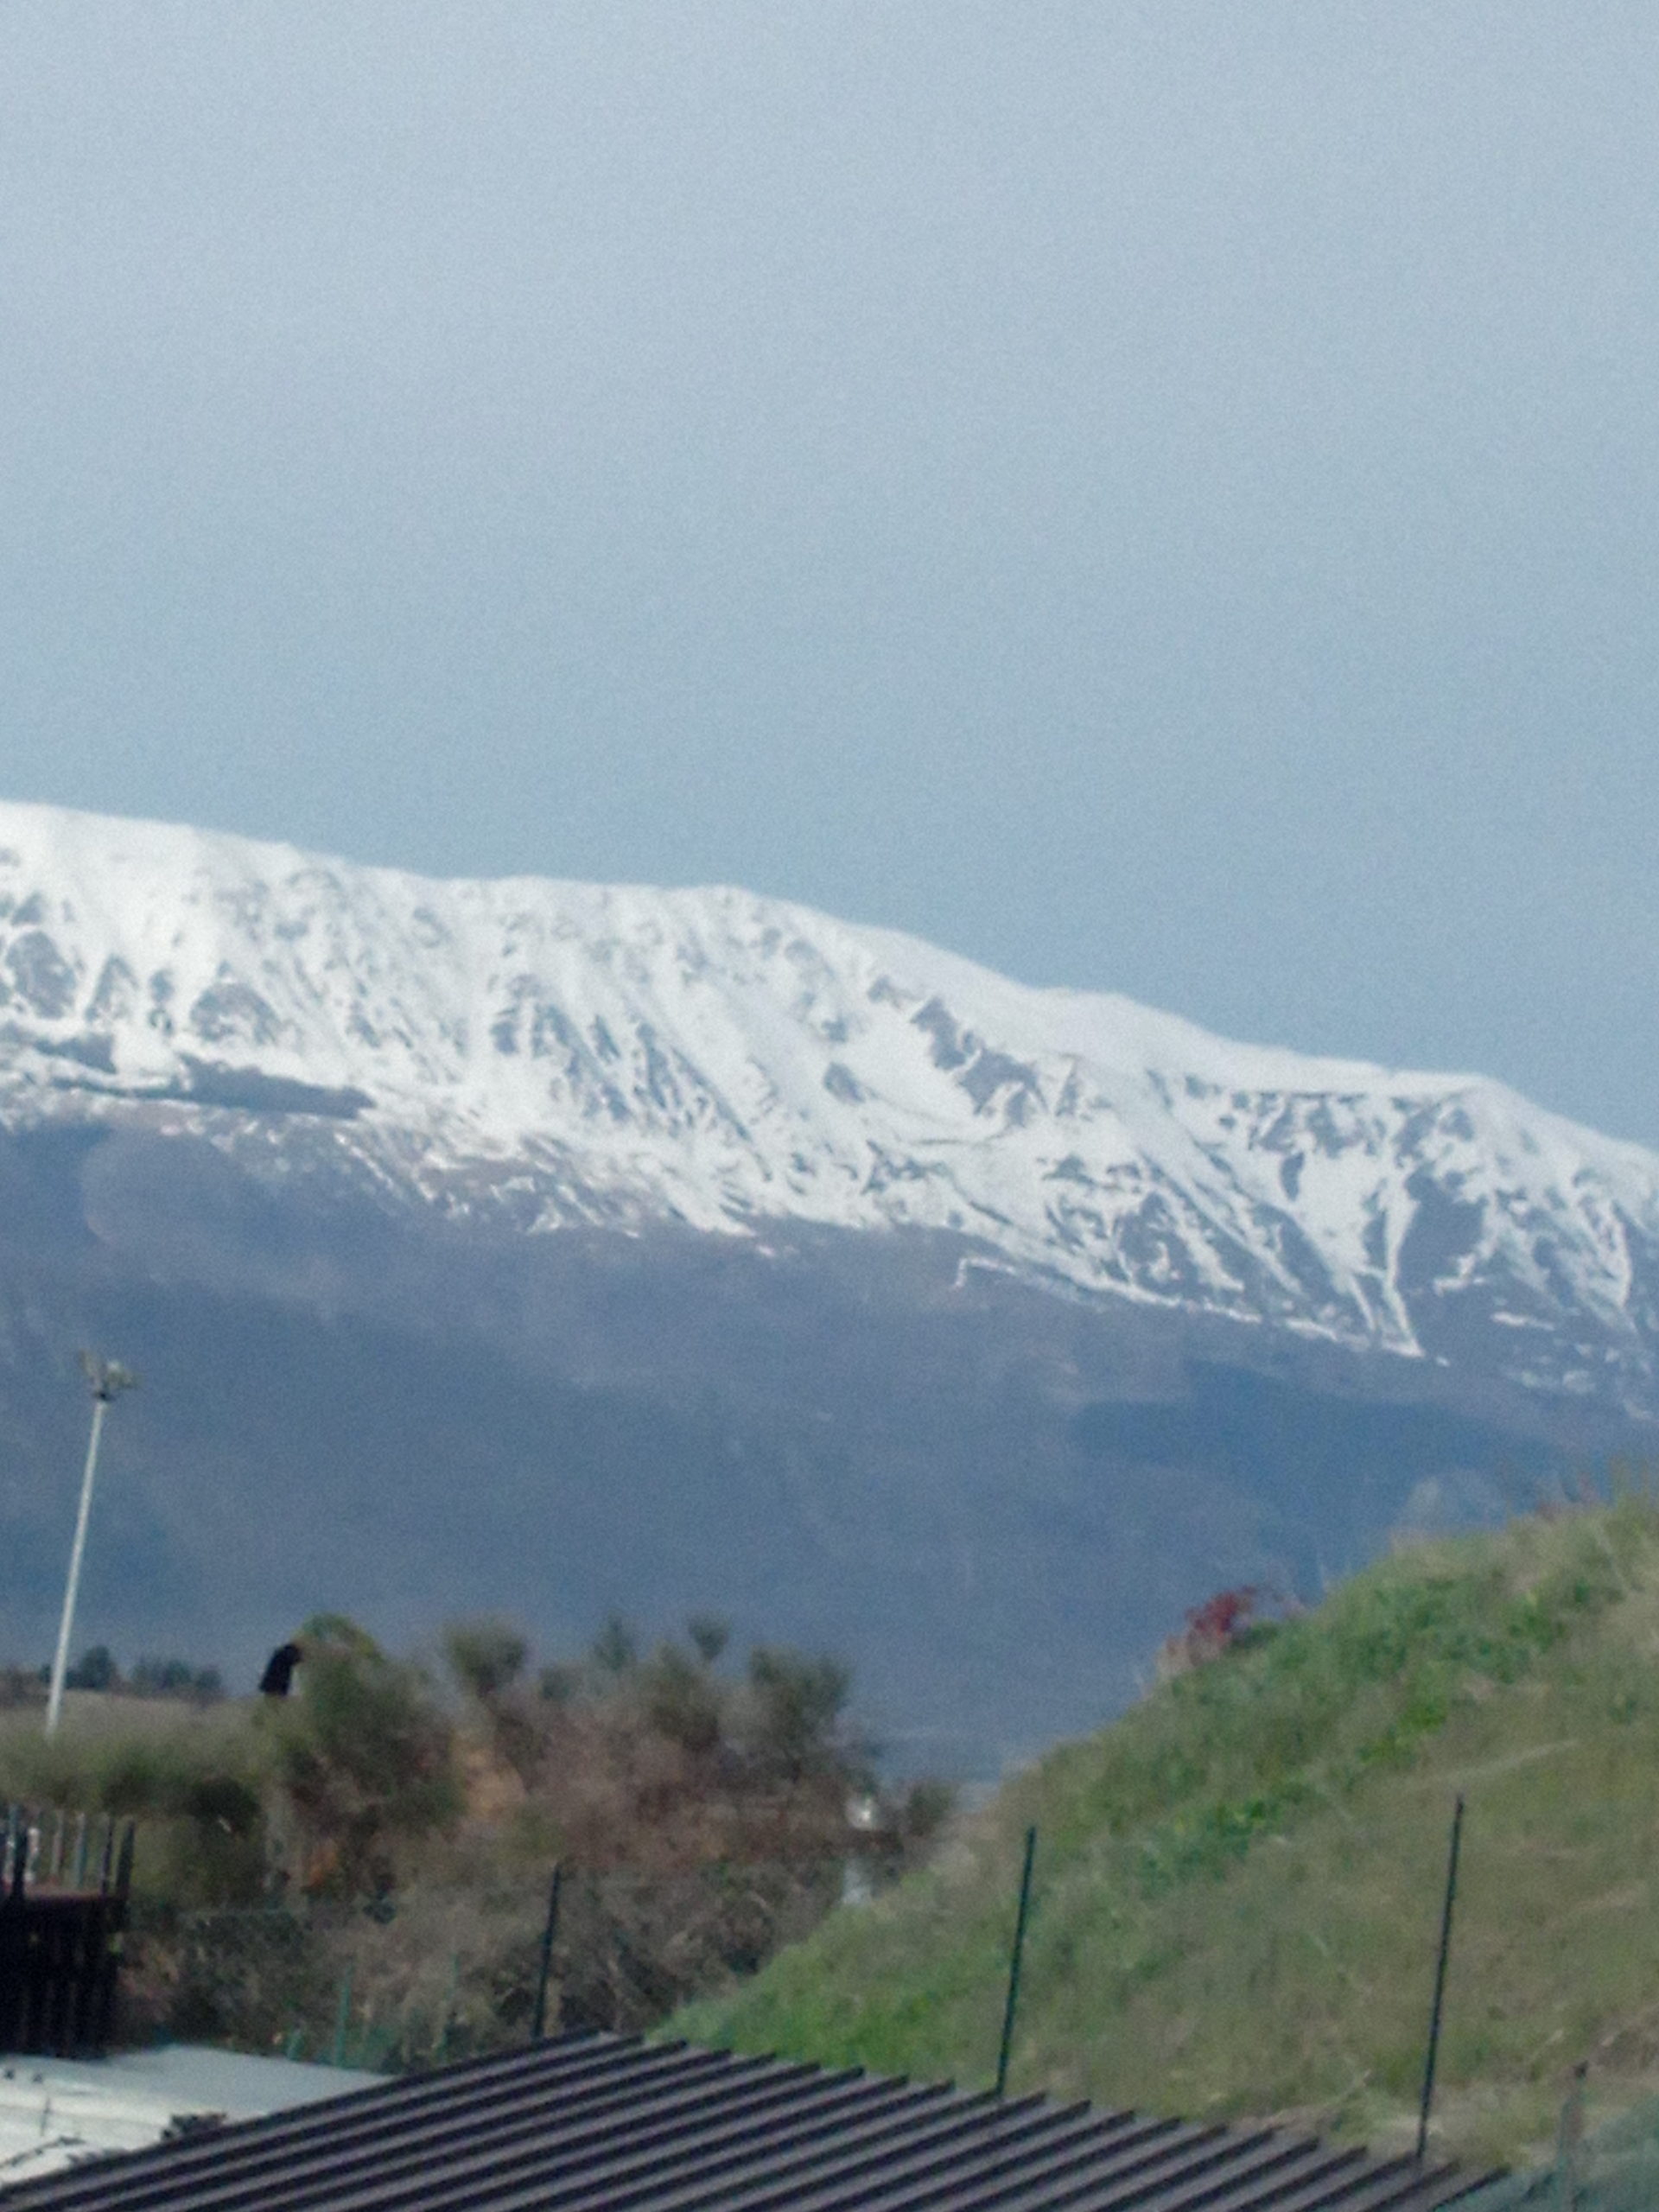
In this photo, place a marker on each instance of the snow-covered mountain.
(547, 1248)
(623, 1056)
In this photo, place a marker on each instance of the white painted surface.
(53, 2112)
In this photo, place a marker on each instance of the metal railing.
(64, 1888)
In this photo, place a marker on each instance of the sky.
(1158, 498)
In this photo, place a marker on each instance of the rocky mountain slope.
(623, 1058)
(558, 1249)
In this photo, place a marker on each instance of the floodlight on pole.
(105, 1379)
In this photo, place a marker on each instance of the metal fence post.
(1014, 1963)
(1433, 2051)
(544, 1970)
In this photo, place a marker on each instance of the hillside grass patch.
(1239, 1883)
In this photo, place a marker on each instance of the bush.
(95, 1669)
(366, 1760)
(681, 1702)
(485, 1657)
(152, 1677)
(710, 1637)
(615, 1650)
(359, 1833)
(21, 1686)
(796, 1705)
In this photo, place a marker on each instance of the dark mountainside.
(994, 1499)
(560, 1248)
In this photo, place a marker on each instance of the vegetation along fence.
(445, 1972)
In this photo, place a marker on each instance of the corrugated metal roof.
(586, 2121)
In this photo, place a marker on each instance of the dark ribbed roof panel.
(589, 2123)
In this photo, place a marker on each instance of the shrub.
(615, 1650)
(95, 1669)
(710, 1637)
(1224, 1622)
(366, 1760)
(797, 1707)
(152, 1677)
(681, 1701)
(485, 1657)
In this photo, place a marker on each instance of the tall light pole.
(105, 1378)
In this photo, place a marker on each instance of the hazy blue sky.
(1153, 496)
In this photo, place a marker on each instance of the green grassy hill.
(1238, 1883)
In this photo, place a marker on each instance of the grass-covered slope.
(1238, 1883)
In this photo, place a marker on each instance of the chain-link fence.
(446, 1974)
(1614, 2168)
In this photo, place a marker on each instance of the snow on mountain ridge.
(725, 1059)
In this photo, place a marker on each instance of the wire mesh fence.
(444, 1974)
(1614, 2168)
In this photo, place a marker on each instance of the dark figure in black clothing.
(278, 1677)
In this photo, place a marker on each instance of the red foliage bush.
(1211, 1628)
